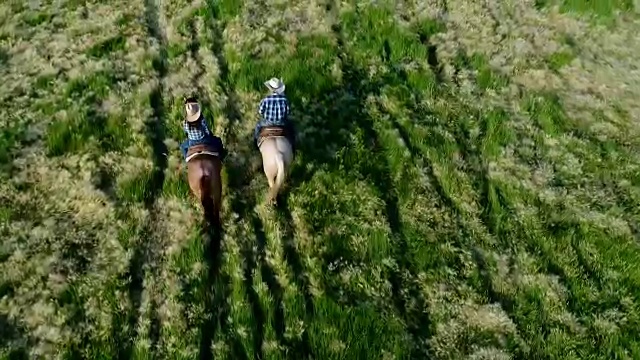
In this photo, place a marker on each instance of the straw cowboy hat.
(193, 110)
(275, 85)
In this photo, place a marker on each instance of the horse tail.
(279, 176)
(205, 195)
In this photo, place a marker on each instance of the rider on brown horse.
(197, 131)
(274, 111)
(203, 153)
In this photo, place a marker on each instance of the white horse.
(277, 156)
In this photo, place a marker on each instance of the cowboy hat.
(193, 110)
(275, 85)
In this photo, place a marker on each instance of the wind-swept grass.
(465, 186)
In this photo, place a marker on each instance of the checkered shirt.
(196, 132)
(274, 110)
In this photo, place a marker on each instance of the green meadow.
(466, 185)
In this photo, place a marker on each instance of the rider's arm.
(262, 107)
(205, 126)
(185, 126)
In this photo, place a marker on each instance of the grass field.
(467, 184)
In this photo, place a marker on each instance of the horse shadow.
(337, 113)
(325, 125)
(217, 291)
(216, 282)
(217, 287)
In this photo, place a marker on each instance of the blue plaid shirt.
(274, 110)
(196, 132)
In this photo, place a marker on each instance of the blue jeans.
(212, 141)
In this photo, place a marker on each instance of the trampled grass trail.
(466, 184)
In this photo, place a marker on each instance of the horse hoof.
(271, 201)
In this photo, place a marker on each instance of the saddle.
(202, 149)
(272, 131)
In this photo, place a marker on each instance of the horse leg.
(269, 154)
(193, 177)
(284, 147)
(200, 177)
(216, 193)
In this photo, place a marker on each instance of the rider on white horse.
(274, 110)
(197, 131)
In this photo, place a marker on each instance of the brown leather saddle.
(271, 131)
(202, 149)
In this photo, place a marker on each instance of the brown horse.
(277, 156)
(203, 169)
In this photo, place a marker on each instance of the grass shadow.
(216, 24)
(293, 259)
(254, 300)
(507, 303)
(77, 250)
(239, 181)
(270, 279)
(155, 124)
(343, 110)
(14, 337)
(194, 48)
(104, 180)
(217, 288)
(143, 258)
(419, 323)
(338, 109)
(155, 134)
